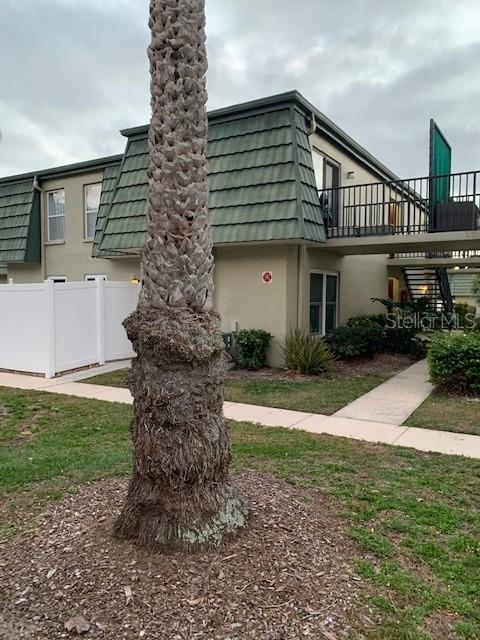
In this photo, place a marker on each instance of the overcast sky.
(74, 72)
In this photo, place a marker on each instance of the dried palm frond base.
(180, 496)
(289, 575)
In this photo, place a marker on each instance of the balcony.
(441, 214)
(449, 259)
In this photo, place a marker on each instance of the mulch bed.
(385, 364)
(290, 575)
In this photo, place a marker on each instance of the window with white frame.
(91, 198)
(91, 277)
(56, 214)
(323, 302)
(57, 278)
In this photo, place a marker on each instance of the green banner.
(440, 165)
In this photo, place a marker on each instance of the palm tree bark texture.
(180, 496)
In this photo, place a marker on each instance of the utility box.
(456, 216)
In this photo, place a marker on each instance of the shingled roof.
(260, 175)
(20, 232)
(110, 176)
(19, 222)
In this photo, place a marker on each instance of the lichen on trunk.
(179, 495)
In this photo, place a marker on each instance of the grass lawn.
(110, 379)
(325, 395)
(322, 395)
(417, 513)
(447, 413)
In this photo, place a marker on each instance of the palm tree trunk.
(179, 494)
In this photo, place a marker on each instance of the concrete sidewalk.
(393, 401)
(336, 425)
(367, 430)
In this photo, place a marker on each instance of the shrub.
(253, 346)
(454, 362)
(462, 309)
(364, 320)
(305, 353)
(421, 344)
(400, 339)
(360, 341)
(474, 325)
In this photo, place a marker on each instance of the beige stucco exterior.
(242, 298)
(346, 162)
(245, 301)
(383, 206)
(71, 257)
(360, 278)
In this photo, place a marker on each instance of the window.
(323, 302)
(57, 278)
(331, 176)
(56, 214)
(327, 172)
(91, 198)
(316, 302)
(327, 178)
(95, 276)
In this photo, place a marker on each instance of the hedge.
(454, 362)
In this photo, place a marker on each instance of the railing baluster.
(397, 206)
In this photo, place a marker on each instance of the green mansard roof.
(19, 222)
(20, 232)
(260, 177)
(261, 182)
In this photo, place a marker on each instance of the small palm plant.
(306, 353)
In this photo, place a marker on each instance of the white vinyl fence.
(53, 327)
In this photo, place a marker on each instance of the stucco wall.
(361, 278)
(25, 272)
(72, 257)
(244, 301)
(401, 214)
(346, 162)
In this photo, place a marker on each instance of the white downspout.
(300, 283)
(37, 187)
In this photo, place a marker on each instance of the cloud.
(75, 71)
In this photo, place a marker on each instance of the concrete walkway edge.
(393, 401)
(335, 425)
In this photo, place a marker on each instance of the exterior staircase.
(430, 284)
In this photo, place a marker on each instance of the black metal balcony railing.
(417, 205)
(458, 256)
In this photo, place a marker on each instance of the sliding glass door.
(323, 302)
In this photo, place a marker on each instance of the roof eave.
(55, 172)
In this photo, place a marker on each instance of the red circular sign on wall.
(267, 277)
